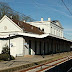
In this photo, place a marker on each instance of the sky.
(54, 9)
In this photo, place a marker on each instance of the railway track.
(48, 65)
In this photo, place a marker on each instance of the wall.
(8, 26)
(16, 46)
(26, 46)
(56, 30)
(42, 25)
(49, 27)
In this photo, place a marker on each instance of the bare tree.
(27, 18)
(5, 9)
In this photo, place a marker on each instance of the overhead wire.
(70, 36)
(66, 7)
(69, 12)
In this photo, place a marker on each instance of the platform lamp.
(9, 46)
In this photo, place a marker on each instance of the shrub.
(5, 54)
(5, 49)
(6, 57)
(12, 58)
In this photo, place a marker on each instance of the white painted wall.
(18, 46)
(8, 26)
(42, 25)
(58, 30)
(49, 27)
(16, 49)
(2, 43)
(26, 47)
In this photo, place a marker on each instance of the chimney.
(11, 17)
(41, 19)
(49, 19)
(24, 21)
(18, 23)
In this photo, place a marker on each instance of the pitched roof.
(57, 23)
(28, 28)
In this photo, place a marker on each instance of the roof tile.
(28, 28)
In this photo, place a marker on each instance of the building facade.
(44, 37)
(53, 27)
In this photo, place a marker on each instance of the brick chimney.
(41, 19)
(24, 21)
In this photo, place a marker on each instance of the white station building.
(33, 38)
(52, 27)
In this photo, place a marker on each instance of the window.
(39, 28)
(61, 33)
(31, 27)
(42, 29)
(51, 29)
(54, 31)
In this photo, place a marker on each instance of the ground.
(21, 63)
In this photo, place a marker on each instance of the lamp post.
(9, 48)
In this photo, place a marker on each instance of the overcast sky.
(54, 9)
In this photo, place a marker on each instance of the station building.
(33, 38)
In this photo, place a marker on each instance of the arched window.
(51, 29)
